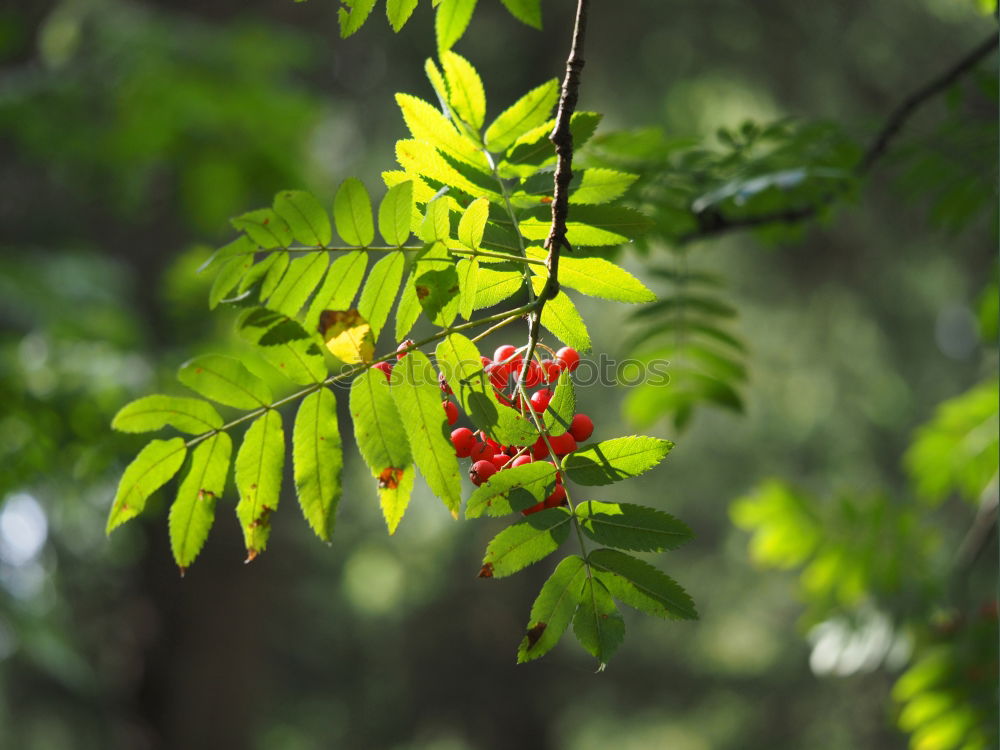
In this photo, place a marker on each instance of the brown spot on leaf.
(266, 222)
(422, 291)
(486, 571)
(199, 370)
(534, 633)
(546, 199)
(389, 478)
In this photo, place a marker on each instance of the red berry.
(581, 427)
(450, 411)
(498, 376)
(533, 509)
(403, 348)
(501, 460)
(540, 399)
(481, 471)
(385, 367)
(481, 452)
(464, 441)
(557, 498)
(504, 353)
(443, 385)
(539, 450)
(551, 370)
(486, 361)
(534, 375)
(521, 461)
(563, 444)
(569, 358)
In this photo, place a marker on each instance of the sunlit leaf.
(451, 21)
(352, 212)
(380, 291)
(598, 624)
(395, 214)
(305, 216)
(398, 12)
(343, 279)
(614, 460)
(631, 527)
(526, 542)
(641, 586)
(265, 228)
(511, 490)
(224, 380)
(473, 222)
(318, 460)
(528, 112)
(150, 470)
(353, 16)
(553, 609)
(259, 464)
(190, 415)
(467, 96)
(298, 282)
(348, 335)
(193, 511)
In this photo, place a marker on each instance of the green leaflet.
(394, 497)
(591, 226)
(460, 362)
(265, 228)
(436, 284)
(352, 212)
(512, 490)
(421, 158)
(267, 273)
(598, 624)
(553, 609)
(342, 282)
(224, 380)
(534, 150)
(259, 464)
(451, 21)
(240, 247)
(318, 458)
(528, 112)
(395, 214)
(426, 123)
(414, 388)
(436, 226)
(228, 277)
(150, 470)
(632, 527)
(493, 287)
(601, 185)
(526, 11)
(467, 97)
(597, 277)
(298, 283)
(561, 317)
(398, 12)
(190, 415)
(613, 460)
(285, 344)
(641, 586)
(304, 215)
(408, 309)
(468, 282)
(380, 291)
(562, 407)
(193, 511)
(473, 222)
(526, 542)
(353, 16)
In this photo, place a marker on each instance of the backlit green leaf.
(562, 407)
(436, 284)
(553, 609)
(398, 12)
(473, 222)
(526, 11)
(528, 112)
(299, 281)
(395, 214)
(265, 228)
(511, 490)
(601, 185)
(436, 226)
(598, 277)
(193, 511)
(493, 287)
(353, 16)
(451, 21)
(224, 380)
(380, 291)
(591, 226)
(632, 527)
(318, 459)
(468, 282)
(468, 99)
(190, 415)
(427, 123)
(598, 624)
(259, 464)
(305, 216)
(641, 586)
(526, 542)
(408, 310)
(342, 282)
(228, 277)
(150, 470)
(562, 319)
(613, 460)
(352, 211)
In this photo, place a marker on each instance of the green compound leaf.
(305, 216)
(422, 159)
(285, 344)
(398, 12)
(451, 21)
(591, 226)
(473, 222)
(339, 287)
(224, 380)
(534, 150)
(562, 319)
(598, 624)
(526, 542)
(265, 228)
(600, 185)
(354, 15)
(598, 277)
(259, 464)
(352, 211)
(299, 281)
(427, 123)
(468, 98)
(493, 287)
(380, 291)
(562, 407)
(613, 460)
(150, 470)
(149, 413)
(641, 586)
(553, 609)
(414, 388)
(459, 360)
(632, 527)
(193, 511)
(395, 213)
(468, 282)
(528, 112)
(511, 490)
(525, 11)
(318, 459)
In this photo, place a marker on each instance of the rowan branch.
(713, 222)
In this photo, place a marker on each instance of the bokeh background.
(129, 134)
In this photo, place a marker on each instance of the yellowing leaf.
(348, 335)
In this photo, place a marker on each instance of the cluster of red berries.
(504, 370)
